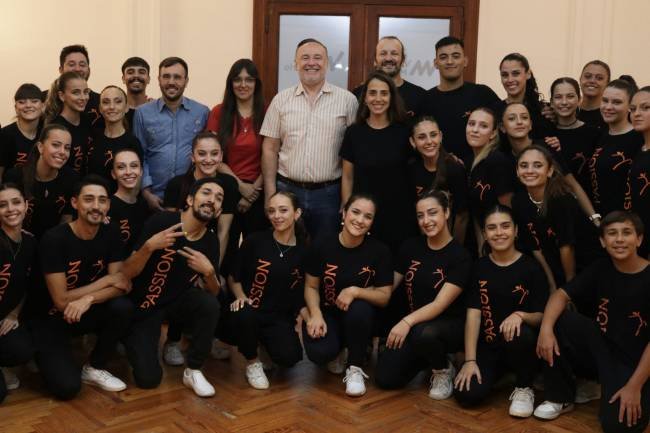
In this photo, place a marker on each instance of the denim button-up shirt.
(166, 139)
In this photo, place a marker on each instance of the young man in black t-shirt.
(81, 261)
(452, 101)
(389, 58)
(613, 340)
(175, 269)
(135, 76)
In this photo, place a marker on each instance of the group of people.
(329, 218)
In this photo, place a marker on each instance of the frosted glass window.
(332, 31)
(419, 36)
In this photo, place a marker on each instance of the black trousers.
(426, 347)
(275, 331)
(109, 320)
(16, 348)
(499, 357)
(583, 346)
(351, 329)
(195, 310)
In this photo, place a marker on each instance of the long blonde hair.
(493, 144)
(53, 104)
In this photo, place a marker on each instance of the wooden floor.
(303, 399)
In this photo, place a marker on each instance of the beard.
(201, 216)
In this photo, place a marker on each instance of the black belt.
(308, 185)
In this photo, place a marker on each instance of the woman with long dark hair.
(437, 169)
(433, 271)
(638, 193)
(267, 281)
(346, 277)
(505, 302)
(593, 79)
(520, 85)
(65, 105)
(17, 139)
(552, 227)
(46, 180)
(611, 161)
(128, 209)
(237, 122)
(375, 152)
(115, 136)
(17, 259)
(578, 138)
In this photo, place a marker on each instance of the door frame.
(266, 35)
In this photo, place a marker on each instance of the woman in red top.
(237, 122)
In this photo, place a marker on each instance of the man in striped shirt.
(303, 129)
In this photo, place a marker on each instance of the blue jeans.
(320, 207)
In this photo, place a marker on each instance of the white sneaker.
(549, 410)
(355, 385)
(218, 351)
(101, 378)
(11, 380)
(337, 365)
(172, 354)
(586, 391)
(441, 383)
(194, 379)
(523, 402)
(256, 376)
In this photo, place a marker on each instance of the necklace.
(569, 125)
(280, 250)
(535, 202)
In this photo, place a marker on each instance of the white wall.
(558, 37)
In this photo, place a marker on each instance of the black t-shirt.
(272, 282)
(609, 167)
(380, 158)
(498, 291)
(637, 198)
(14, 146)
(51, 199)
(81, 142)
(592, 118)
(100, 156)
(409, 92)
(489, 179)
(129, 219)
(622, 305)
(422, 180)
(426, 271)
(563, 224)
(166, 274)
(17, 262)
(578, 146)
(451, 110)
(82, 261)
(173, 199)
(338, 267)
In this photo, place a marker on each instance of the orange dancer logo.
(533, 233)
(297, 278)
(368, 272)
(523, 292)
(646, 183)
(109, 157)
(642, 323)
(624, 160)
(483, 188)
(441, 278)
(99, 267)
(60, 202)
(580, 156)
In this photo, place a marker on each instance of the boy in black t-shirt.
(81, 261)
(614, 340)
(175, 271)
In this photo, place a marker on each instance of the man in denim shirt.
(165, 128)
